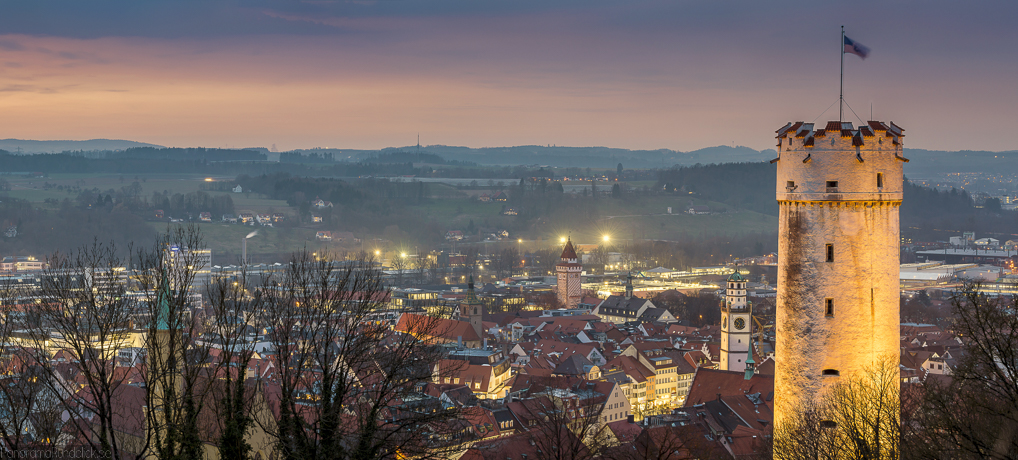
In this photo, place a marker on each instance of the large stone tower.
(838, 191)
(568, 271)
(736, 325)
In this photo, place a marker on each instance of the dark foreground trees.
(348, 386)
(855, 418)
(973, 413)
(154, 356)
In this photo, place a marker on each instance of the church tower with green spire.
(474, 309)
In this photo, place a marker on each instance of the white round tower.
(838, 190)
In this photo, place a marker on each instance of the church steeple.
(474, 310)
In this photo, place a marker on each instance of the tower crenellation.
(831, 164)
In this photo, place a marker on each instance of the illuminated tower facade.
(568, 272)
(736, 325)
(838, 190)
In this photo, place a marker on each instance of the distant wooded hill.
(927, 162)
(30, 146)
(926, 213)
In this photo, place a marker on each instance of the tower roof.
(736, 277)
(471, 298)
(568, 252)
(163, 303)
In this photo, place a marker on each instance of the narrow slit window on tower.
(830, 373)
(829, 307)
(790, 185)
(829, 251)
(880, 180)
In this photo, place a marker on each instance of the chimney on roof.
(459, 341)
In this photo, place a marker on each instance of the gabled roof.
(575, 364)
(447, 329)
(708, 383)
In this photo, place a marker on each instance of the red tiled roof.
(447, 329)
(708, 383)
(631, 366)
(568, 252)
(782, 130)
(833, 126)
(791, 127)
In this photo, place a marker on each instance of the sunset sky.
(630, 74)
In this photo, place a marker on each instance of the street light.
(563, 239)
(606, 238)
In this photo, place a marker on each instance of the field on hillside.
(585, 219)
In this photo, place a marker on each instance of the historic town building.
(568, 270)
(838, 189)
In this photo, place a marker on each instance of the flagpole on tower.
(841, 88)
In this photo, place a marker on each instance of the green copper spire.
(471, 295)
(163, 303)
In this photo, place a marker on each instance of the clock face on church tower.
(740, 323)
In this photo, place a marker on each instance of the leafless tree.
(348, 385)
(31, 409)
(230, 314)
(599, 256)
(975, 413)
(669, 443)
(176, 381)
(400, 263)
(856, 418)
(84, 311)
(507, 262)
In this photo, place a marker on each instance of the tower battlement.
(839, 162)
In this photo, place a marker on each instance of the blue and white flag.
(857, 49)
